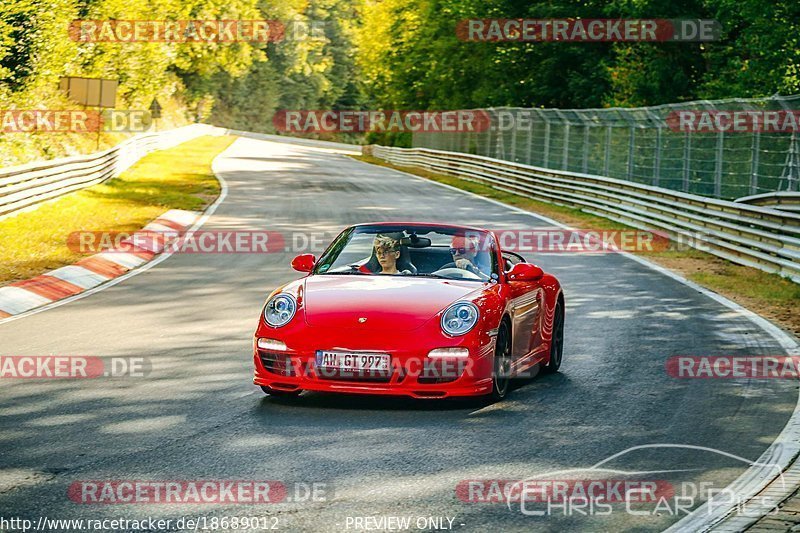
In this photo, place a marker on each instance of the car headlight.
(459, 318)
(279, 310)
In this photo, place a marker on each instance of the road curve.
(197, 415)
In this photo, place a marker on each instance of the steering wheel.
(455, 273)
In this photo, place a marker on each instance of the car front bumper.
(411, 373)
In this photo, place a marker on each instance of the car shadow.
(326, 400)
(519, 390)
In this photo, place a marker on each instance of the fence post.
(530, 141)
(654, 119)
(487, 151)
(565, 154)
(718, 166)
(754, 162)
(607, 155)
(514, 139)
(585, 148)
(631, 140)
(498, 143)
(687, 152)
(657, 161)
(546, 142)
(794, 170)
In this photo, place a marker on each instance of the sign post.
(91, 92)
(155, 112)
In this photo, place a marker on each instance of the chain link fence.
(642, 145)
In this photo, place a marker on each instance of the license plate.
(353, 361)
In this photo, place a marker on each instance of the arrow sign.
(155, 109)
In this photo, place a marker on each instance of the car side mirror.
(525, 272)
(304, 262)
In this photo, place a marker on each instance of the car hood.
(386, 302)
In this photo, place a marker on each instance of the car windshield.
(438, 252)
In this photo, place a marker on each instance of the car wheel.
(502, 364)
(557, 343)
(281, 393)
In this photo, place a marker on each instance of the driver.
(465, 256)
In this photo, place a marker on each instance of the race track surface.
(197, 415)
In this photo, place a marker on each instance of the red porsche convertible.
(421, 310)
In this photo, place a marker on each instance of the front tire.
(557, 342)
(502, 364)
(280, 393)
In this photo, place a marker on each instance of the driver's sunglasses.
(459, 251)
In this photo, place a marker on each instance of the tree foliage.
(391, 54)
(410, 57)
(235, 84)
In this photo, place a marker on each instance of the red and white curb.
(22, 296)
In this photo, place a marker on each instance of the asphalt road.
(197, 416)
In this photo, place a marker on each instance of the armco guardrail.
(27, 185)
(756, 236)
(783, 200)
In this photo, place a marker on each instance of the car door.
(524, 308)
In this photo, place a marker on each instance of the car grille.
(277, 363)
(441, 371)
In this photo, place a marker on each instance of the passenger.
(386, 252)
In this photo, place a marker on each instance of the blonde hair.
(385, 241)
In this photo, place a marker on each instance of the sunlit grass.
(750, 283)
(178, 178)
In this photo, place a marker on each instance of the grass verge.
(178, 178)
(769, 295)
